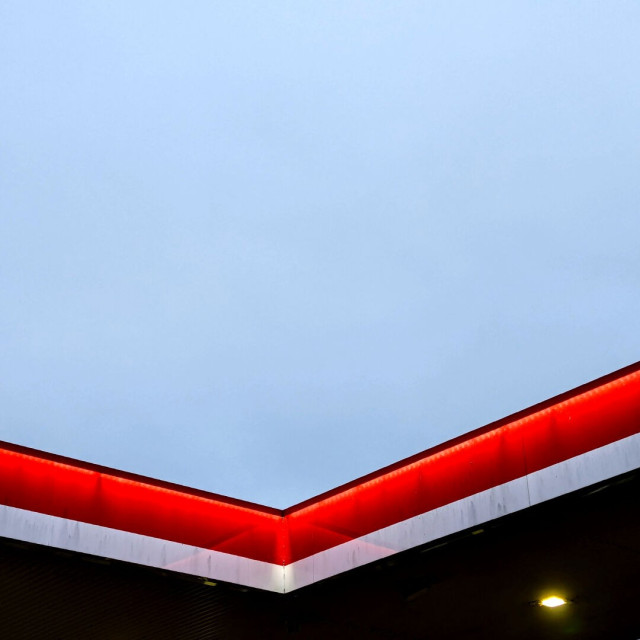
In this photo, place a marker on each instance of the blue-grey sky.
(262, 248)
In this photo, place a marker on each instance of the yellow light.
(553, 601)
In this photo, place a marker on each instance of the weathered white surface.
(61, 533)
(416, 531)
(589, 468)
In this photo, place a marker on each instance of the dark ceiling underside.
(478, 585)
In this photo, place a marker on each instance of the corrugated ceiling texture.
(59, 596)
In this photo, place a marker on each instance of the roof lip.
(496, 424)
(135, 477)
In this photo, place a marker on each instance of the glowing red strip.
(108, 499)
(579, 421)
(481, 460)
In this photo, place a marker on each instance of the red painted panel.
(589, 421)
(96, 497)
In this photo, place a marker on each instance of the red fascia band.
(87, 493)
(547, 434)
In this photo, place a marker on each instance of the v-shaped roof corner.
(569, 442)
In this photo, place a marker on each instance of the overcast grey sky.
(263, 248)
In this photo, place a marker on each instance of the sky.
(263, 248)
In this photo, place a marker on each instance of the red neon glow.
(73, 492)
(478, 462)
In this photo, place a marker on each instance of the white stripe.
(559, 479)
(105, 542)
